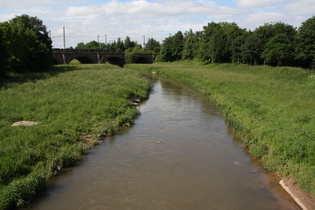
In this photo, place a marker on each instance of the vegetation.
(276, 44)
(152, 46)
(24, 45)
(270, 108)
(74, 105)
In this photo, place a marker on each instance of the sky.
(109, 20)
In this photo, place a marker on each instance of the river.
(179, 154)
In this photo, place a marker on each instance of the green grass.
(272, 110)
(69, 102)
(75, 62)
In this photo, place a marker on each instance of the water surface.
(179, 155)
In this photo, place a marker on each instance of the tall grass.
(70, 102)
(270, 109)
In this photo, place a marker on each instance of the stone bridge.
(65, 56)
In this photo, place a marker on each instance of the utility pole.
(98, 39)
(105, 39)
(143, 41)
(64, 38)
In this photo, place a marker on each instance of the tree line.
(25, 45)
(130, 48)
(276, 44)
(119, 46)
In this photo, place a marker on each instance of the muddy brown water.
(179, 155)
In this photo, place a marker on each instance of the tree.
(120, 47)
(251, 49)
(92, 45)
(153, 45)
(236, 48)
(30, 46)
(80, 45)
(128, 44)
(306, 41)
(4, 52)
(172, 48)
(269, 30)
(232, 33)
(130, 57)
(217, 46)
(205, 51)
(190, 46)
(278, 50)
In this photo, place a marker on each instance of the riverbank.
(69, 103)
(270, 109)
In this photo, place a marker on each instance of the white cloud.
(257, 4)
(137, 18)
(82, 11)
(85, 20)
(18, 4)
(300, 7)
(6, 17)
(254, 20)
(142, 8)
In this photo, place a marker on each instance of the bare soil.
(304, 200)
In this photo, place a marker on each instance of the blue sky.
(87, 20)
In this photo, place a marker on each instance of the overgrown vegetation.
(270, 108)
(74, 105)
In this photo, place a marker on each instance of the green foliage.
(128, 44)
(278, 50)
(28, 44)
(273, 43)
(121, 46)
(74, 62)
(251, 50)
(305, 41)
(205, 52)
(4, 51)
(190, 45)
(153, 45)
(270, 109)
(130, 57)
(70, 102)
(172, 48)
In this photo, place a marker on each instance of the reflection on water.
(178, 155)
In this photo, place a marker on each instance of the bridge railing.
(58, 50)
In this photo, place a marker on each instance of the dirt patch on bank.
(304, 200)
(24, 123)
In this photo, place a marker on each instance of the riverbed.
(179, 154)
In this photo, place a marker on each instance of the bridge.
(65, 56)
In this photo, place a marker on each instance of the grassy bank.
(270, 109)
(70, 102)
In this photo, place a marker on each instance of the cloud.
(300, 7)
(6, 17)
(85, 20)
(19, 4)
(257, 4)
(143, 8)
(254, 20)
(137, 18)
(82, 11)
